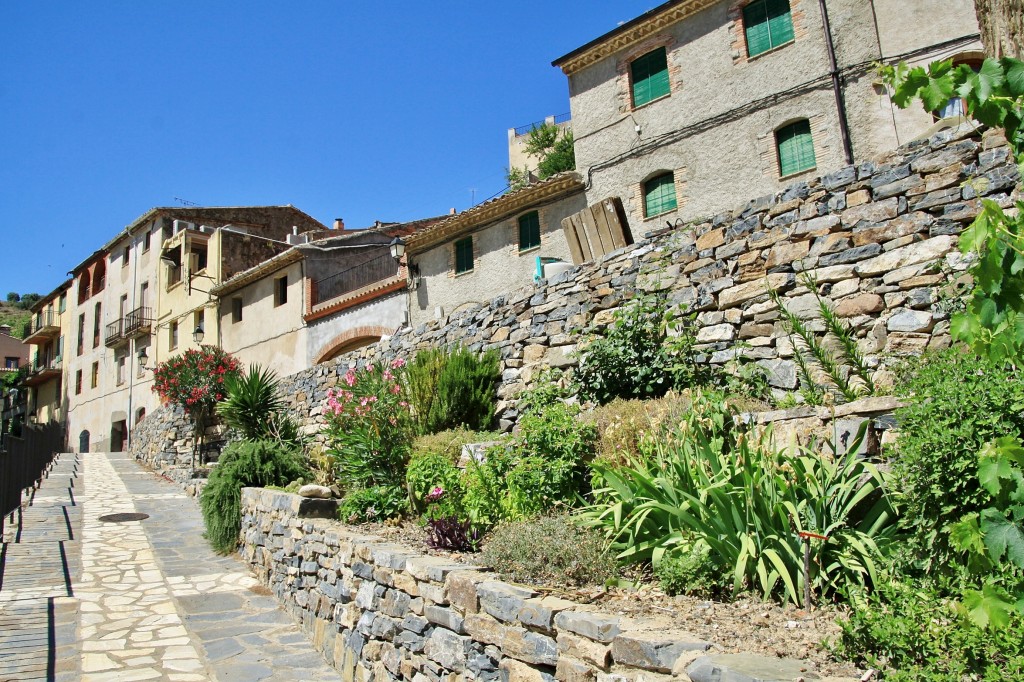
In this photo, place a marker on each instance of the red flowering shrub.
(195, 380)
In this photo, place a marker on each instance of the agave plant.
(252, 406)
(749, 502)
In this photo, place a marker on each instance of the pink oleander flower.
(369, 367)
(397, 363)
(396, 389)
(388, 376)
(350, 377)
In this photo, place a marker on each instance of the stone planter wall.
(380, 611)
(879, 238)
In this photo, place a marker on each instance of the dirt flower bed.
(746, 625)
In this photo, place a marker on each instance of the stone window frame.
(738, 35)
(770, 155)
(624, 76)
(679, 177)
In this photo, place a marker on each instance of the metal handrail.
(115, 330)
(374, 270)
(136, 319)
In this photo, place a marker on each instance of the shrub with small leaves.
(378, 503)
(550, 550)
(692, 571)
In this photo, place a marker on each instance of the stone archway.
(351, 339)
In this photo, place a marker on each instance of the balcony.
(44, 327)
(138, 323)
(44, 369)
(114, 336)
(357, 279)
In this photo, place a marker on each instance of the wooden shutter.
(755, 25)
(780, 22)
(659, 195)
(464, 255)
(529, 230)
(650, 77)
(795, 147)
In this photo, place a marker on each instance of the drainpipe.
(844, 126)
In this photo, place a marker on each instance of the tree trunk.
(1002, 27)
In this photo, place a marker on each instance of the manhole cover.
(121, 518)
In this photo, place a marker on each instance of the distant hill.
(16, 317)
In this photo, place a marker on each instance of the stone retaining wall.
(380, 611)
(878, 237)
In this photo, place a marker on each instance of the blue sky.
(387, 111)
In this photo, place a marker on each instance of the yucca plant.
(252, 404)
(710, 481)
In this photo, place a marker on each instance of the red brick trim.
(347, 337)
(398, 284)
(624, 79)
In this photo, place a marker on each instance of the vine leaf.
(989, 607)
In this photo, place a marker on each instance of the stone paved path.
(83, 598)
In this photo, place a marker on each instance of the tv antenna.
(472, 193)
(185, 202)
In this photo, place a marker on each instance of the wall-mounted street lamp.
(397, 247)
(142, 358)
(198, 334)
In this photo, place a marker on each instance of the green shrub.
(957, 402)
(715, 483)
(912, 633)
(691, 570)
(378, 503)
(452, 388)
(429, 473)
(449, 442)
(542, 466)
(643, 353)
(551, 550)
(246, 463)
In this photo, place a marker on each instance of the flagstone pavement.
(87, 598)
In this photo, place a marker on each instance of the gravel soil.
(746, 625)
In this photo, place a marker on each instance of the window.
(281, 290)
(464, 255)
(146, 239)
(767, 24)
(95, 380)
(143, 294)
(81, 333)
(198, 253)
(124, 255)
(78, 382)
(60, 347)
(10, 362)
(649, 77)
(97, 321)
(659, 195)
(62, 305)
(120, 370)
(236, 310)
(173, 334)
(795, 148)
(529, 231)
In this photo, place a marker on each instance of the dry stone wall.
(879, 238)
(380, 611)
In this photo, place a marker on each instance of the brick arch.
(349, 340)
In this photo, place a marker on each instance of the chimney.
(5, 329)
(339, 224)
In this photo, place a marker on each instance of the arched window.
(659, 195)
(795, 148)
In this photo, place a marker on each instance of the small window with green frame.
(795, 148)
(529, 231)
(649, 77)
(464, 255)
(767, 24)
(659, 195)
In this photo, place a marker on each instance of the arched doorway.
(83, 441)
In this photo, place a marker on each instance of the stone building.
(48, 331)
(143, 294)
(697, 105)
(491, 249)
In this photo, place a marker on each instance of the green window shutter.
(529, 231)
(796, 148)
(659, 195)
(767, 24)
(464, 255)
(650, 77)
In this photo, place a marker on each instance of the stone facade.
(878, 237)
(380, 611)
